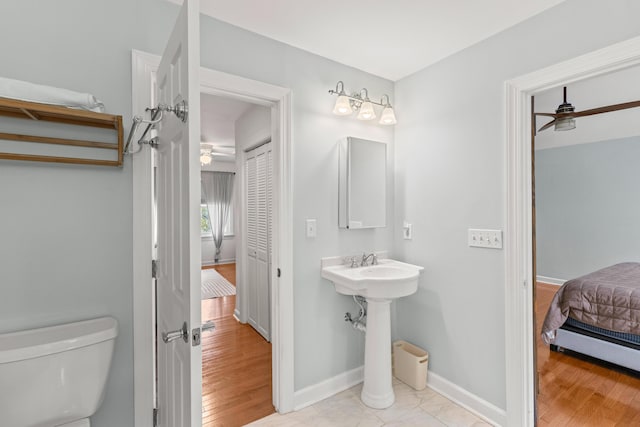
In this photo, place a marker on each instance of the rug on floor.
(214, 285)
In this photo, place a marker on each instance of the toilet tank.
(54, 375)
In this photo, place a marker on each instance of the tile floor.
(424, 408)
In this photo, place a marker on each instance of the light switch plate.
(407, 231)
(311, 228)
(481, 238)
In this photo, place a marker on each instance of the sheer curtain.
(217, 190)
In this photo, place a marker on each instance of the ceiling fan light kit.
(346, 104)
(565, 116)
(566, 123)
(205, 157)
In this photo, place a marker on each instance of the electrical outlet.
(480, 238)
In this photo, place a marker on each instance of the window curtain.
(217, 190)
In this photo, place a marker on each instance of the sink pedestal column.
(377, 391)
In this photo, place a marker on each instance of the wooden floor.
(574, 392)
(236, 365)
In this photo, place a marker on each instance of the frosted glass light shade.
(343, 106)
(563, 124)
(388, 117)
(366, 111)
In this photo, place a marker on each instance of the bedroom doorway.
(519, 273)
(236, 359)
(584, 184)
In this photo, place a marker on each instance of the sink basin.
(389, 279)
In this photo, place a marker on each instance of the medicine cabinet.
(363, 183)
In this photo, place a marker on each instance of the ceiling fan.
(565, 116)
(208, 150)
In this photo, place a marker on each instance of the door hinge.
(154, 269)
(278, 272)
(156, 415)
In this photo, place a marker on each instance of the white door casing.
(258, 167)
(518, 242)
(178, 213)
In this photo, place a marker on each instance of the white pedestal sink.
(379, 284)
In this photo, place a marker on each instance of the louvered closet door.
(250, 175)
(258, 168)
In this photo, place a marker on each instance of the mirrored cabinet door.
(363, 183)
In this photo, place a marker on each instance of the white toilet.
(55, 376)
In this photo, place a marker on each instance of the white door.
(178, 216)
(258, 171)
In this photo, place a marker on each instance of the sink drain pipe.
(360, 323)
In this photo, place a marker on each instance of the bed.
(598, 315)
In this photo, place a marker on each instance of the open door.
(178, 222)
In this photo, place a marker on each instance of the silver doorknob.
(174, 335)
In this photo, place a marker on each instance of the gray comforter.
(608, 298)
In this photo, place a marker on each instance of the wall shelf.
(52, 113)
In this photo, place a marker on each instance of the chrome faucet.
(365, 259)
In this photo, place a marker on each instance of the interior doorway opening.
(278, 101)
(237, 194)
(519, 276)
(583, 189)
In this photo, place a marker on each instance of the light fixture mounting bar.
(357, 98)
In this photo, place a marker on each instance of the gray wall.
(450, 177)
(587, 207)
(65, 232)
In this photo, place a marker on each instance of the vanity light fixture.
(345, 104)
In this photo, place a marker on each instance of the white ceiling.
(391, 39)
(218, 116)
(614, 88)
(217, 119)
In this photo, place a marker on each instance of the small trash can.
(410, 364)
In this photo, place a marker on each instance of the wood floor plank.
(575, 392)
(236, 365)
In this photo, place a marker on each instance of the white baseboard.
(550, 280)
(480, 407)
(222, 261)
(317, 392)
(327, 388)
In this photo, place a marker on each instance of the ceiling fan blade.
(547, 126)
(607, 109)
(546, 114)
(231, 150)
(221, 154)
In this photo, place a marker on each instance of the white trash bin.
(410, 364)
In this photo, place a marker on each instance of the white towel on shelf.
(25, 91)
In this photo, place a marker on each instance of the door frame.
(519, 280)
(216, 83)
